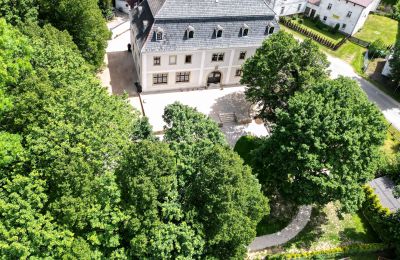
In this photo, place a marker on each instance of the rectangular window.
(349, 14)
(157, 61)
(325, 18)
(298, 7)
(239, 73)
(329, 6)
(282, 9)
(242, 55)
(188, 59)
(160, 78)
(218, 57)
(182, 77)
(172, 59)
(343, 26)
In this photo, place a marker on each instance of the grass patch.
(325, 33)
(349, 52)
(327, 230)
(392, 143)
(379, 27)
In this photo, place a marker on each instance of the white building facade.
(188, 44)
(349, 14)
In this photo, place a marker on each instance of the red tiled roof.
(314, 2)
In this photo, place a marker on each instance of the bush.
(342, 251)
(335, 29)
(377, 49)
(245, 145)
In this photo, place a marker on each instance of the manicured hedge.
(385, 223)
(342, 251)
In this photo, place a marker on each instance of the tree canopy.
(325, 145)
(279, 68)
(395, 63)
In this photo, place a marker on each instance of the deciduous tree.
(279, 68)
(325, 145)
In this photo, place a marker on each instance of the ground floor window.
(182, 77)
(239, 72)
(218, 57)
(160, 78)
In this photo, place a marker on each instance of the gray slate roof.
(172, 9)
(383, 187)
(175, 16)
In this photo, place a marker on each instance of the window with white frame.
(217, 57)
(188, 59)
(343, 26)
(189, 32)
(160, 78)
(298, 7)
(244, 30)
(329, 6)
(282, 9)
(172, 60)
(218, 31)
(182, 77)
(157, 61)
(349, 14)
(242, 55)
(325, 18)
(159, 34)
(269, 29)
(239, 73)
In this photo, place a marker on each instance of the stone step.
(227, 117)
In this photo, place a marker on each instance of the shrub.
(245, 145)
(377, 49)
(341, 251)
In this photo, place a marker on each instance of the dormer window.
(269, 29)
(159, 34)
(245, 30)
(218, 31)
(189, 34)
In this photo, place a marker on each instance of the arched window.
(245, 30)
(218, 31)
(159, 34)
(189, 32)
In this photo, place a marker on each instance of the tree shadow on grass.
(312, 232)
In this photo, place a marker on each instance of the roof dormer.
(189, 33)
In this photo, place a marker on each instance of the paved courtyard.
(211, 102)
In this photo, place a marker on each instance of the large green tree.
(395, 62)
(325, 145)
(279, 68)
(84, 22)
(19, 12)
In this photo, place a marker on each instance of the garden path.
(293, 229)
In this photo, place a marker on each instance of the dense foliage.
(245, 146)
(19, 12)
(82, 176)
(84, 22)
(325, 145)
(279, 68)
(395, 64)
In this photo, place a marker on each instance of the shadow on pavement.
(122, 73)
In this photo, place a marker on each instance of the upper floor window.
(218, 31)
(159, 34)
(329, 6)
(157, 61)
(189, 32)
(239, 73)
(349, 14)
(188, 59)
(242, 55)
(172, 60)
(282, 9)
(298, 7)
(218, 57)
(325, 18)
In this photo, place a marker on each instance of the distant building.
(350, 15)
(386, 69)
(123, 6)
(181, 44)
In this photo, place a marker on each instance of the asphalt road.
(389, 107)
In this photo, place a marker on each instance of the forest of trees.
(83, 177)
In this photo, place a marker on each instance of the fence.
(310, 34)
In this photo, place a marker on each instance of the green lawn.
(349, 52)
(309, 24)
(327, 230)
(392, 143)
(379, 27)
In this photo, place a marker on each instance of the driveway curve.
(297, 224)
